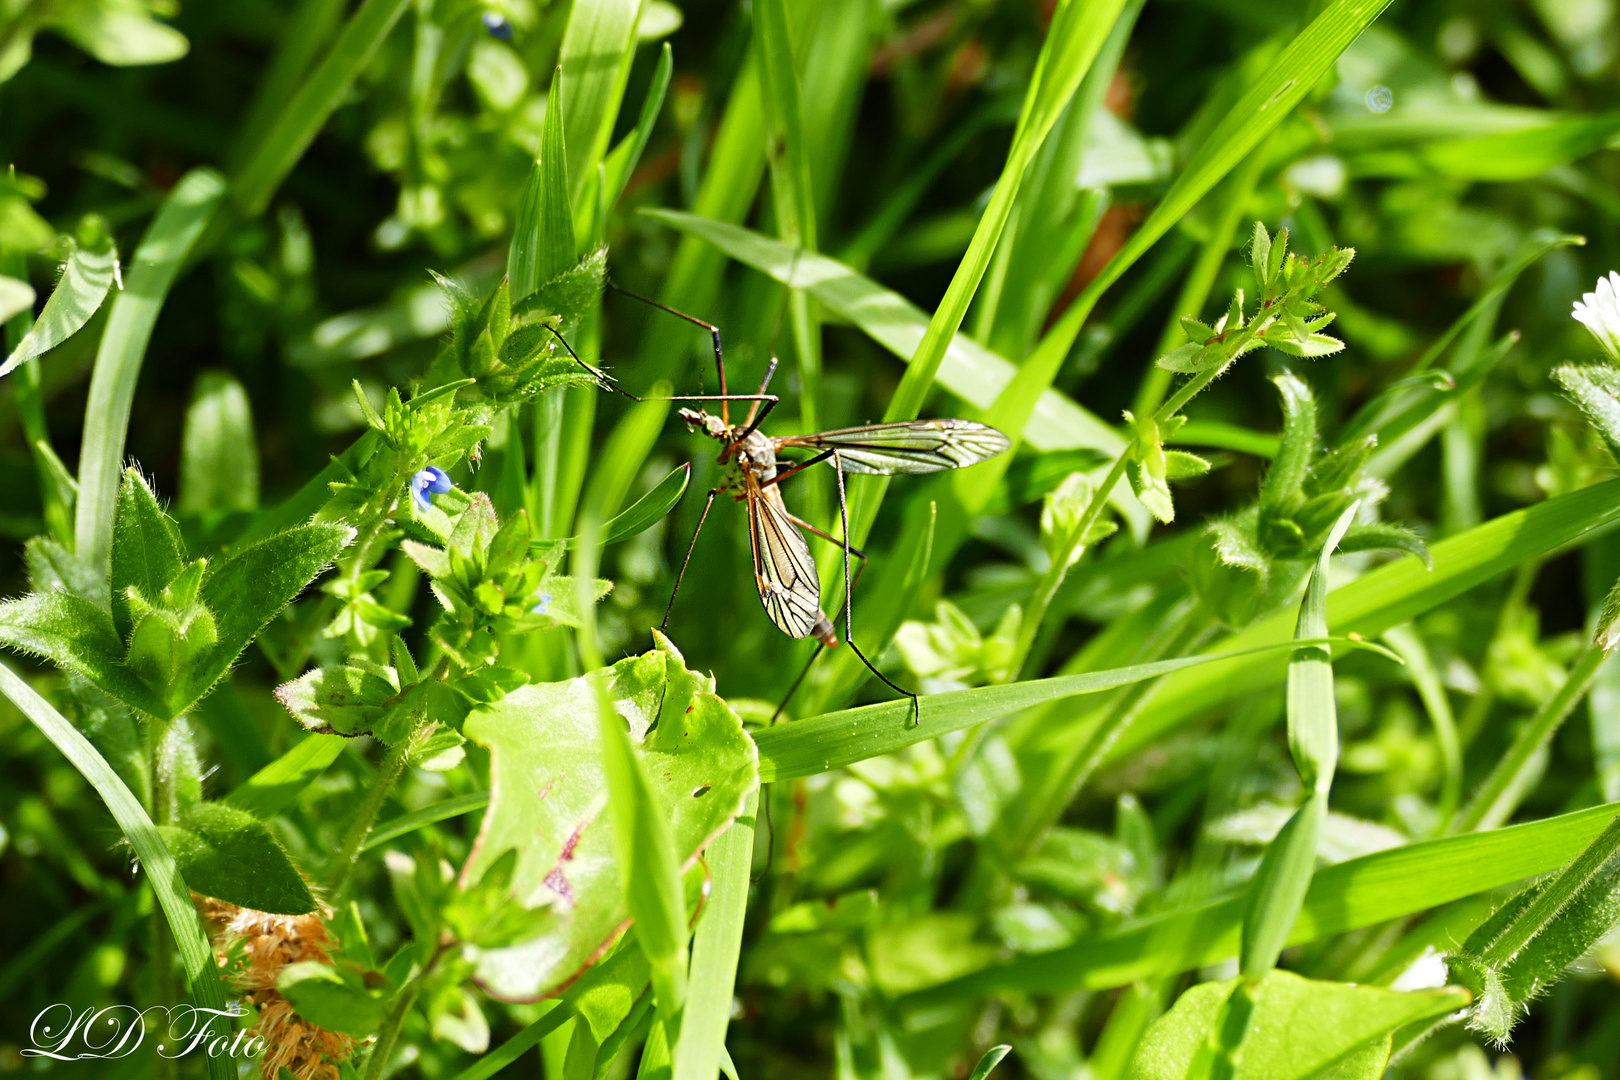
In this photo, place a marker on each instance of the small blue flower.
(429, 481)
(497, 25)
(543, 605)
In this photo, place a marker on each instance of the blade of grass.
(276, 785)
(646, 511)
(622, 161)
(306, 112)
(543, 236)
(519, 1044)
(308, 30)
(443, 810)
(716, 948)
(1387, 597)
(597, 49)
(1499, 796)
(1283, 84)
(622, 457)
(133, 313)
(1346, 896)
(832, 740)
(168, 887)
(1432, 692)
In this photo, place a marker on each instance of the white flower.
(1599, 312)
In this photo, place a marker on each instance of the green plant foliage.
(228, 854)
(544, 739)
(1292, 1029)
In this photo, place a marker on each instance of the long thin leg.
(754, 421)
(714, 336)
(707, 505)
(799, 468)
(849, 605)
(794, 689)
(607, 382)
(858, 553)
(829, 537)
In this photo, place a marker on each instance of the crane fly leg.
(708, 504)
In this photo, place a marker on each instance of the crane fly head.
(705, 424)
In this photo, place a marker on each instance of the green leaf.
(968, 370)
(1595, 390)
(251, 588)
(622, 161)
(604, 999)
(543, 236)
(168, 886)
(319, 994)
(1521, 155)
(307, 111)
(597, 49)
(832, 740)
(348, 699)
(86, 277)
(162, 250)
(277, 784)
(643, 845)
(716, 949)
(546, 738)
(1281, 491)
(406, 824)
(642, 514)
(146, 551)
(987, 1064)
(118, 32)
(16, 296)
(219, 455)
(227, 853)
(1345, 896)
(1386, 597)
(79, 637)
(1300, 1029)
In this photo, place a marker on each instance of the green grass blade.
(1359, 892)
(1502, 791)
(620, 461)
(987, 1064)
(307, 110)
(518, 1045)
(1387, 597)
(168, 240)
(308, 31)
(543, 236)
(1077, 34)
(832, 740)
(275, 786)
(646, 511)
(622, 161)
(168, 886)
(1432, 692)
(443, 810)
(968, 370)
(716, 948)
(597, 49)
(1272, 97)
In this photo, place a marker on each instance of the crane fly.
(784, 571)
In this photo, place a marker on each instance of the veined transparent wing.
(909, 446)
(783, 568)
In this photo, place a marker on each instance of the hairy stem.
(393, 764)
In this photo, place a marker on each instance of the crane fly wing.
(783, 568)
(909, 446)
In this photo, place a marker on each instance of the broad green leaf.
(250, 588)
(76, 636)
(348, 699)
(79, 291)
(1300, 1029)
(832, 740)
(165, 246)
(168, 886)
(277, 784)
(146, 551)
(1386, 597)
(219, 455)
(968, 370)
(227, 853)
(549, 795)
(1595, 390)
(1346, 896)
(319, 994)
